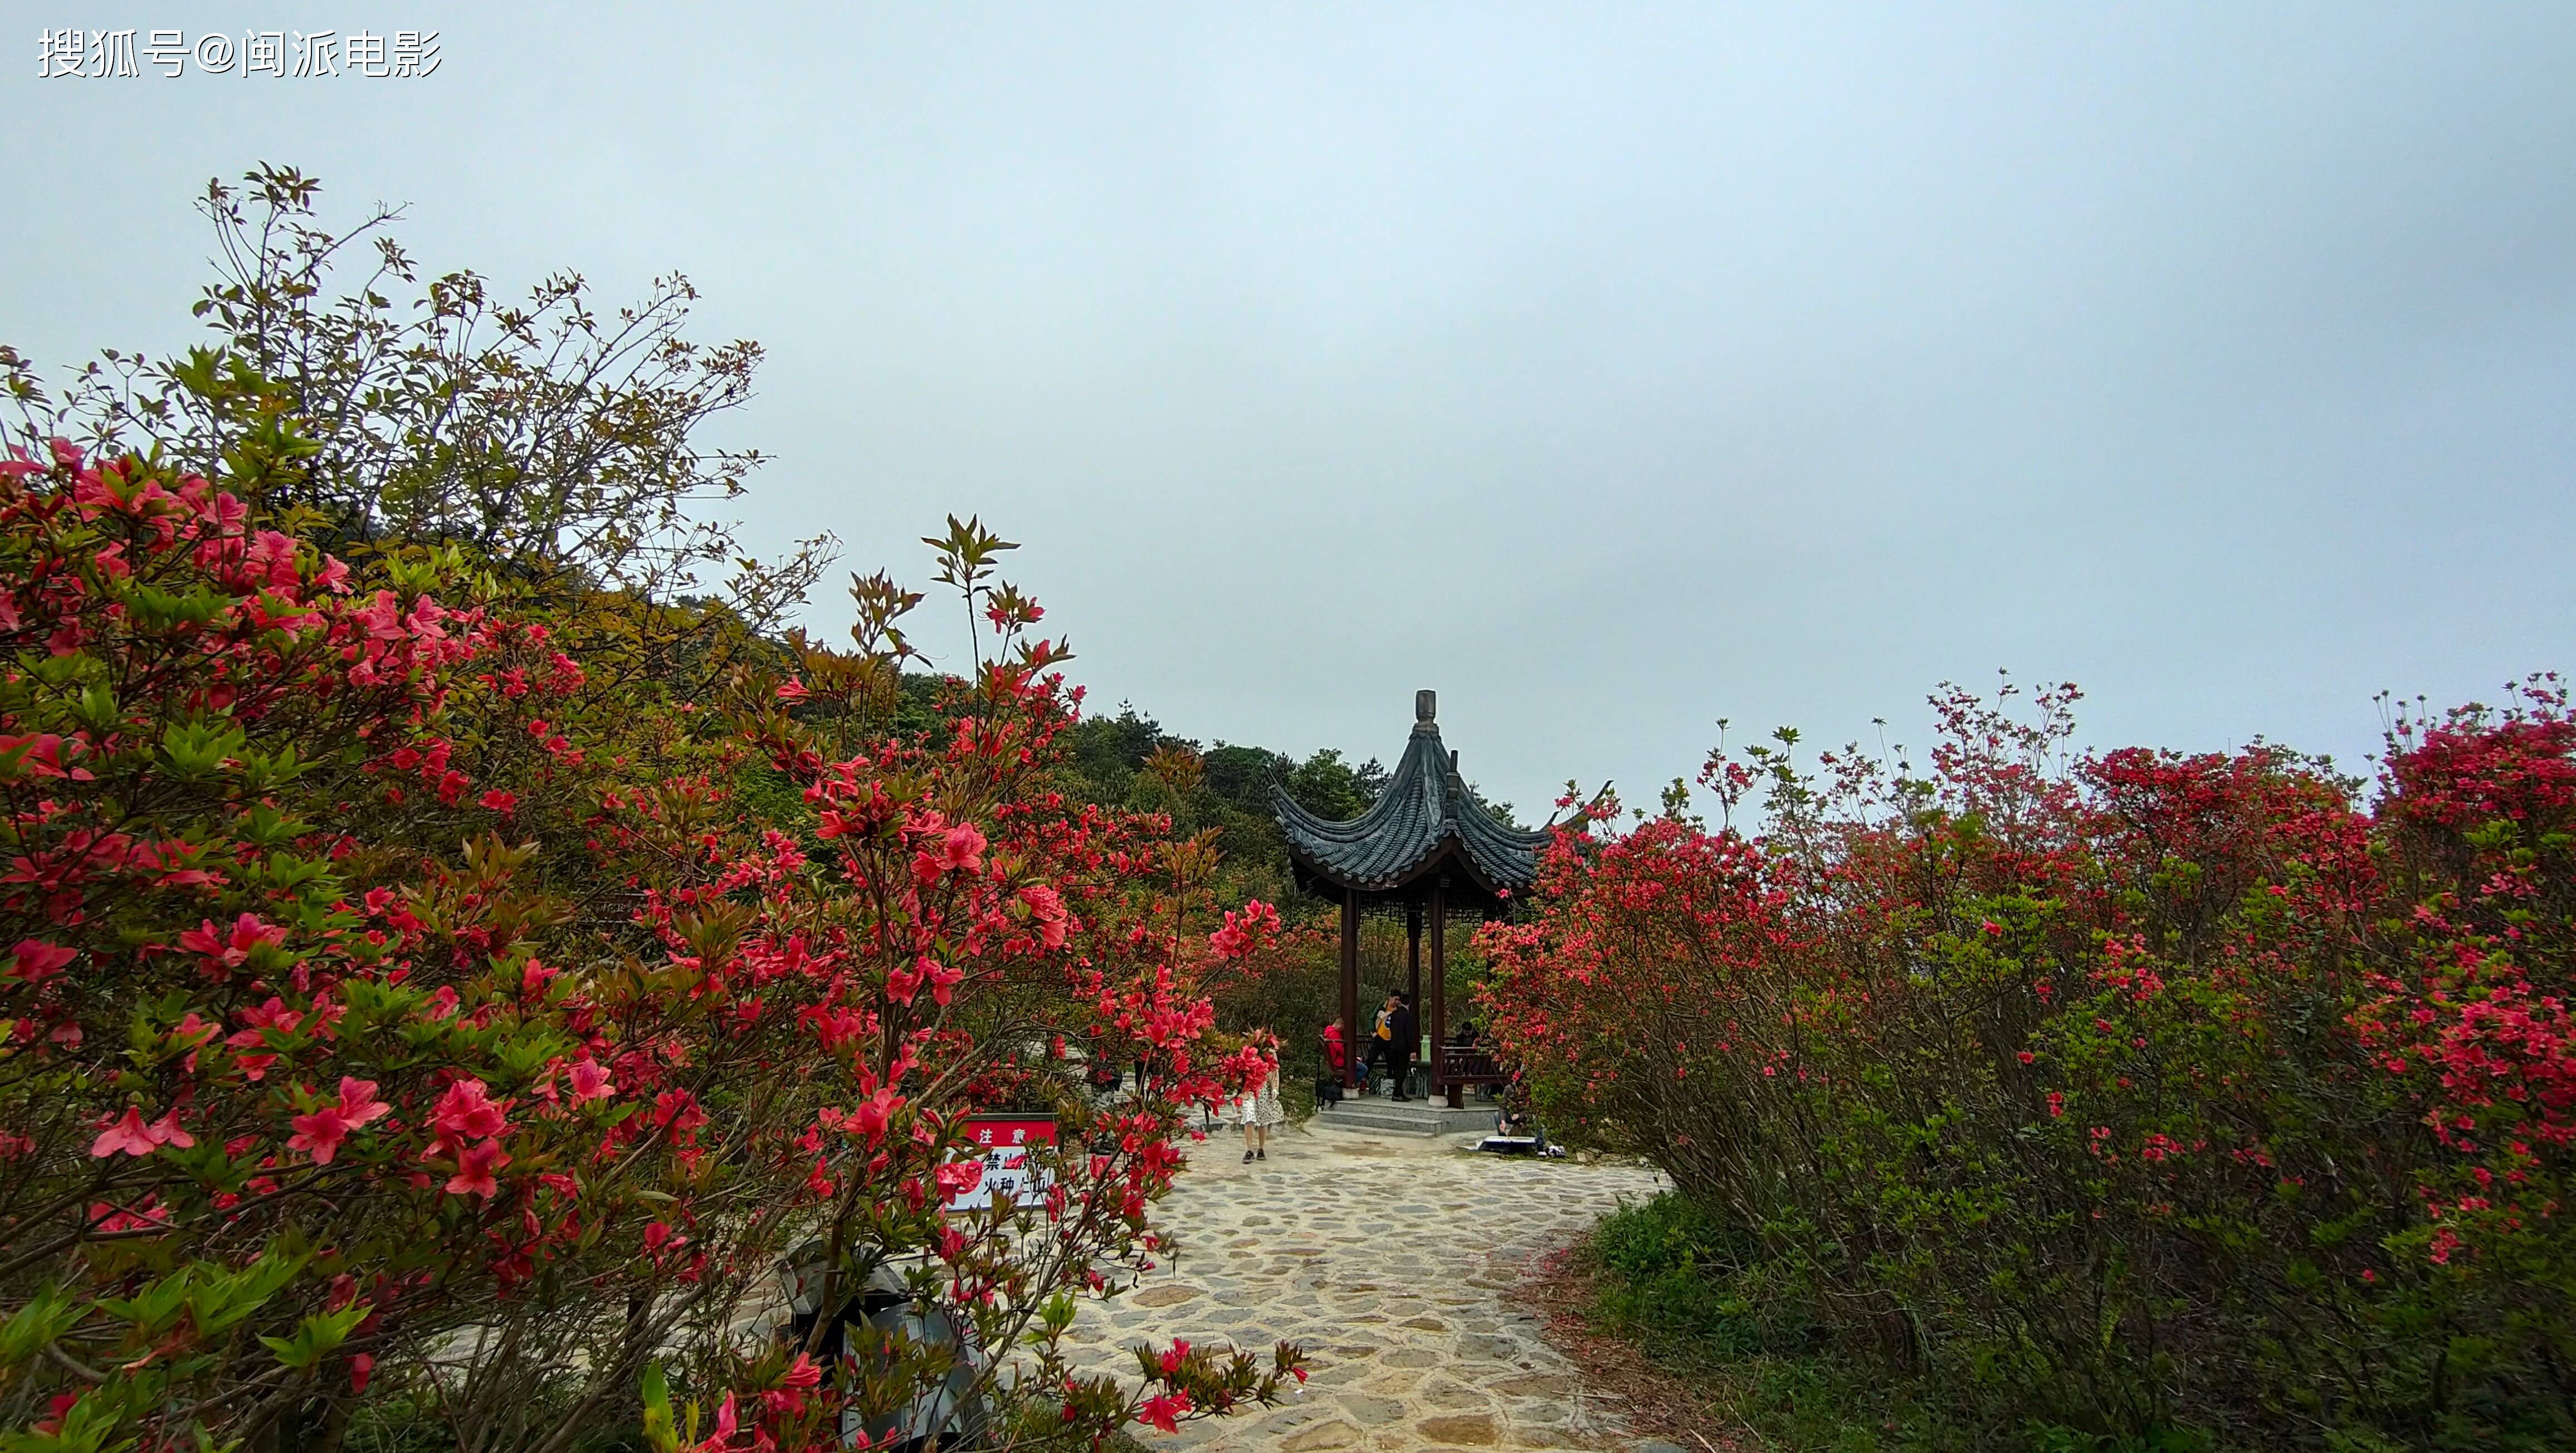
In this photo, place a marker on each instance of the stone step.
(1404, 1117)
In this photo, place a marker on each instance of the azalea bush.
(2134, 1092)
(1288, 983)
(401, 1012)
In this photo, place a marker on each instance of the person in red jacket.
(1335, 1065)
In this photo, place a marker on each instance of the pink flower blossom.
(589, 1081)
(36, 961)
(126, 1133)
(466, 1112)
(319, 1134)
(475, 1165)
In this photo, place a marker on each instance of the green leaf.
(47, 1316)
(319, 1336)
(656, 1392)
(86, 1428)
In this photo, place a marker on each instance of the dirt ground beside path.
(1392, 1259)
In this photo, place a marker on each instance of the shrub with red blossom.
(2136, 1091)
(397, 1008)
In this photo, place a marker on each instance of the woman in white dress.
(1258, 1108)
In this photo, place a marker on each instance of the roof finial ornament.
(1426, 708)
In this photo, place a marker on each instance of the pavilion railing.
(1469, 1064)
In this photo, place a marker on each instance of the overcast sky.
(1610, 369)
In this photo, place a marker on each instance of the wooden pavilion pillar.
(1413, 956)
(1439, 1020)
(1351, 1042)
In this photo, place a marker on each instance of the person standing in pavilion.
(1381, 1045)
(1404, 1033)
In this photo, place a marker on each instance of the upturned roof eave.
(1422, 819)
(1448, 851)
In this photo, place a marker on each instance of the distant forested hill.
(1224, 786)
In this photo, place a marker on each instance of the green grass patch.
(1696, 1298)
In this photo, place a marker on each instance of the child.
(1259, 1108)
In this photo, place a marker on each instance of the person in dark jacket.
(1405, 1033)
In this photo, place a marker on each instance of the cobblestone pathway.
(1388, 1258)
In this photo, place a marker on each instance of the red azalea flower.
(319, 1134)
(589, 1081)
(466, 1112)
(1163, 1411)
(475, 1166)
(127, 1133)
(36, 961)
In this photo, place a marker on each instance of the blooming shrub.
(397, 1008)
(2138, 1091)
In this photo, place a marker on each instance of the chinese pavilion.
(1427, 847)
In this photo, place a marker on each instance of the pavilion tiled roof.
(1424, 811)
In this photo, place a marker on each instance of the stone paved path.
(1388, 1258)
